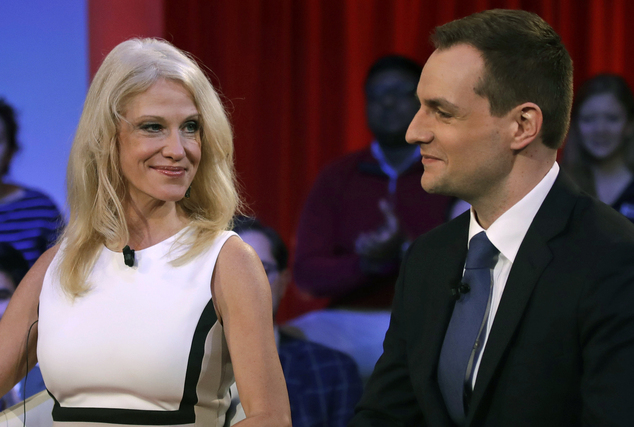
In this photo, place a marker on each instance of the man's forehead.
(448, 73)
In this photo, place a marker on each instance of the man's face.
(466, 151)
(391, 103)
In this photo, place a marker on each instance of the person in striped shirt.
(29, 219)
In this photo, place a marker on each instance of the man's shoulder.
(601, 225)
(455, 229)
(588, 217)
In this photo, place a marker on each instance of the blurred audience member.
(323, 384)
(13, 267)
(599, 153)
(29, 220)
(360, 216)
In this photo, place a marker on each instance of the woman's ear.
(528, 119)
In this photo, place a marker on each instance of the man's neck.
(500, 198)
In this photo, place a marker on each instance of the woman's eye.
(613, 118)
(191, 126)
(586, 119)
(152, 127)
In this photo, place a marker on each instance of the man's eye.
(443, 115)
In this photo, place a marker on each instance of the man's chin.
(436, 187)
(431, 186)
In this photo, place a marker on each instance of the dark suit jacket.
(561, 348)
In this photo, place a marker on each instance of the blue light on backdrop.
(44, 74)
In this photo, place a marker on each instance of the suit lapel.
(444, 275)
(531, 260)
(440, 271)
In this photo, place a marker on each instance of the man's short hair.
(394, 62)
(524, 61)
(242, 224)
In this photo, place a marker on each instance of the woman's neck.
(149, 225)
(611, 178)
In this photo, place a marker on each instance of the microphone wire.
(28, 335)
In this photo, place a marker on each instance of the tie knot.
(481, 253)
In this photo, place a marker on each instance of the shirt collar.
(508, 231)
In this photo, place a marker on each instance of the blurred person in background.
(360, 216)
(13, 267)
(323, 384)
(29, 219)
(599, 153)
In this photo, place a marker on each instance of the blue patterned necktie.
(466, 332)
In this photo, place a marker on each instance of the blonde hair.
(95, 185)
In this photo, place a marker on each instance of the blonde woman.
(148, 306)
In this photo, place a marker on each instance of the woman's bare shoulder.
(239, 277)
(236, 253)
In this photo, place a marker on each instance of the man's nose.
(419, 131)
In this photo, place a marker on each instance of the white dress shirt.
(507, 234)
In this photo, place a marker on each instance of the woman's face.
(159, 143)
(603, 126)
(7, 287)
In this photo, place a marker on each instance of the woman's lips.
(170, 171)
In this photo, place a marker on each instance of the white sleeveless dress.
(143, 347)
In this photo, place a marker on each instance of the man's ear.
(528, 119)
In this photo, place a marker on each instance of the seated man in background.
(360, 215)
(323, 384)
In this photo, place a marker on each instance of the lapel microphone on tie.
(128, 256)
(461, 289)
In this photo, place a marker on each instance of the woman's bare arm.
(16, 322)
(243, 297)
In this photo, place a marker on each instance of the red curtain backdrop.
(112, 21)
(292, 74)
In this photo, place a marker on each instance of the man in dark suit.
(550, 341)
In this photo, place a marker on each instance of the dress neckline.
(168, 240)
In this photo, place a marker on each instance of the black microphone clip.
(128, 256)
(462, 288)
